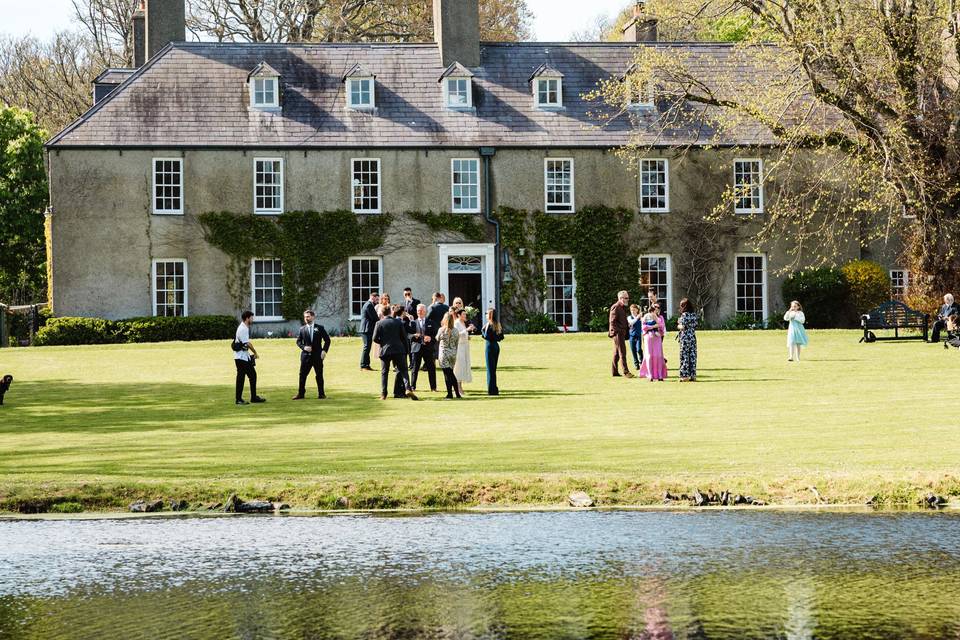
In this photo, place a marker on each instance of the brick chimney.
(642, 27)
(456, 30)
(156, 23)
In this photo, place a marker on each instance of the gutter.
(487, 154)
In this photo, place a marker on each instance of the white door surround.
(486, 252)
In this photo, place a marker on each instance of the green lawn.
(104, 425)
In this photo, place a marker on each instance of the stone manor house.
(456, 125)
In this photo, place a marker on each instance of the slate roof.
(195, 95)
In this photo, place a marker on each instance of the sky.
(554, 20)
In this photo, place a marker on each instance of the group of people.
(645, 331)
(409, 338)
(412, 337)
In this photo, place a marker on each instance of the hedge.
(74, 331)
(824, 294)
(869, 284)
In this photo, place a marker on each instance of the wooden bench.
(896, 316)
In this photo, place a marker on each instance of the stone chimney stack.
(456, 29)
(139, 35)
(164, 21)
(642, 27)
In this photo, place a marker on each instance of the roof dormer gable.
(638, 91)
(264, 86)
(360, 88)
(457, 83)
(547, 85)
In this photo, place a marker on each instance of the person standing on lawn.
(244, 357)
(368, 320)
(654, 366)
(796, 334)
(618, 331)
(314, 343)
(688, 341)
(448, 339)
(422, 349)
(636, 335)
(492, 332)
(435, 315)
(391, 334)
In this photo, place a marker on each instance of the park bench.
(896, 316)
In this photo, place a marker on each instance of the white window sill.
(361, 109)
(551, 108)
(268, 212)
(366, 212)
(461, 108)
(266, 109)
(168, 213)
(655, 211)
(259, 320)
(748, 212)
(466, 211)
(641, 108)
(560, 211)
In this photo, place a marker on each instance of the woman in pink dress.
(654, 365)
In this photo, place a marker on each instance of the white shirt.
(243, 337)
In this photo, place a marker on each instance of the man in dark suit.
(5, 383)
(949, 308)
(435, 313)
(391, 334)
(314, 344)
(410, 303)
(368, 320)
(422, 350)
(619, 330)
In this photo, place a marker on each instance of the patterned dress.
(688, 345)
(447, 353)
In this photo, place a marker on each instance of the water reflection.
(532, 575)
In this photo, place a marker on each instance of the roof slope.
(195, 95)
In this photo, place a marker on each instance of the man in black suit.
(949, 308)
(422, 350)
(368, 320)
(410, 303)
(5, 383)
(435, 313)
(391, 334)
(314, 344)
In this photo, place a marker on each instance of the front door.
(465, 280)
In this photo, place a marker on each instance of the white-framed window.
(365, 180)
(558, 184)
(560, 302)
(750, 277)
(748, 186)
(657, 271)
(268, 185)
(458, 93)
(169, 277)
(465, 185)
(264, 93)
(361, 93)
(900, 281)
(366, 276)
(266, 276)
(548, 92)
(168, 186)
(640, 95)
(654, 185)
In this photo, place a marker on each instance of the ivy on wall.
(465, 224)
(596, 237)
(308, 243)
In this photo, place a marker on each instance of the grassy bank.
(98, 427)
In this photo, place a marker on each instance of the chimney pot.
(166, 22)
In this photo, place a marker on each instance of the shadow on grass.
(106, 408)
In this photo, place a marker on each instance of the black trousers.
(938, 326)
(245, 369)
(306, 364)
(367, 340)
(400, 362)
(424, 359)
(453, 387)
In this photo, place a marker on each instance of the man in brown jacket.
(619, 329)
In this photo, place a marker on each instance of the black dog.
(5, 386)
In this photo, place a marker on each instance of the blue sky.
(553, 19)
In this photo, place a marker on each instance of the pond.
(597, 574)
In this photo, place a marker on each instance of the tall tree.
(23, 194)
(861, 98)
(108, 24)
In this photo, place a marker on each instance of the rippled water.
(732, 574)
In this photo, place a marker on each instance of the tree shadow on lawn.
(36, 407)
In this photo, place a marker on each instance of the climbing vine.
(595, 236)
(465, 224)
(309, 244)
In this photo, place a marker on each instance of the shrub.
(599, 323)
(824, 294)
(672, 323)
(742, 321)
(869, 285)
(74, 331)
(540, 323)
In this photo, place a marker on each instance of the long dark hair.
(492, 320)
(686, 306)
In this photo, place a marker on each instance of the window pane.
(366, 186)
(365, 279)
(559, 185)
(167, 177)
(558, 272)
(750, 286)
(170, 288)
(655, 272)
(267, 288)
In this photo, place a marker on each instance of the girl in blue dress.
(796, 334)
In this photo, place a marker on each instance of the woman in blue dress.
(687, 326)
(492, 333)
(796, 334)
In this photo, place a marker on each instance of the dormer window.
(547, 88)
(264, 82)
(457, 87)
(639, 92)
(361, 89)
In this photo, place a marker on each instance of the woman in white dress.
(462, 369)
